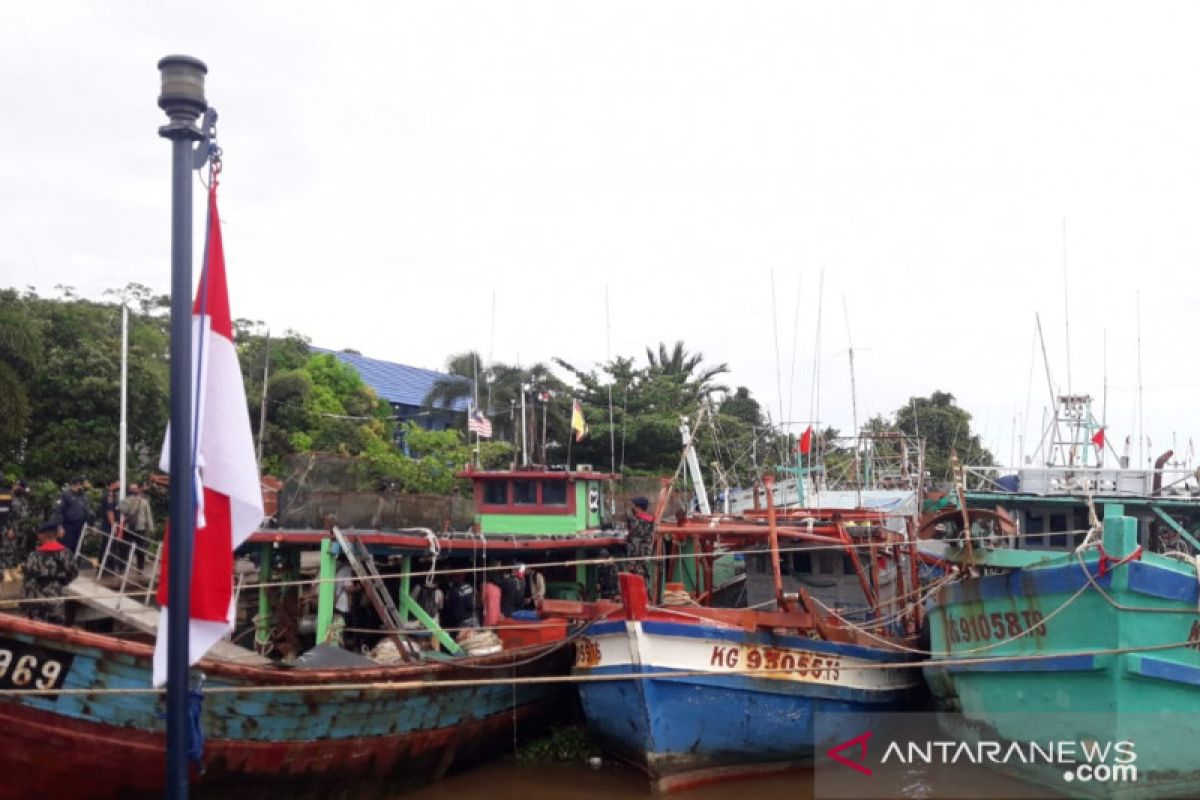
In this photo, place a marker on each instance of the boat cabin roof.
(536, 474)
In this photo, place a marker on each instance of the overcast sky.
(390, 167)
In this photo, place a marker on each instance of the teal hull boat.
(1098, 647)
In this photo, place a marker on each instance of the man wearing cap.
(639, 541)
(137, 519)
(48, 571)
(72, 513)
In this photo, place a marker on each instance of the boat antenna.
(491, 352)
(1066, 302)
(612, 427)
(795, 336)
(475, 369)
(1104, 395)
(775, 329)
(1033, 343)
(814, 399)
(1049, 379)
(1141, 427)
(853, 405)
(262, 408)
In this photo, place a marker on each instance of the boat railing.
(1080, 479)
(122, 557)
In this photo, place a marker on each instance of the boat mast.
(693, 462)
(262, 406)
(858, 478)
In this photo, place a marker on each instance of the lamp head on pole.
(182, 96)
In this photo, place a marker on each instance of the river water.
(508, 780)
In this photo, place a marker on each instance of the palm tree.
(500, 388)
(462, 369)
(684, 367)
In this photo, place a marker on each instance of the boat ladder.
(363, 564)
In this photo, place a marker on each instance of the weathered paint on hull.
(101, 761)
(686, 730)
(1151, 697)
(312, 740)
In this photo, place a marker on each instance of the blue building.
(405, 388)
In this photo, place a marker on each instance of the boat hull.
(1073, 686)
(690, 713)
(264, 728)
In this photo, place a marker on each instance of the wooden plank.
(145, 619)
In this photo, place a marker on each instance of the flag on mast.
(229, 503)
(805, 444)
(479, 424)
(578, 423)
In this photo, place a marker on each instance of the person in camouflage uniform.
(639, 539)
(10, 552)
(48, 571)
(21, 520)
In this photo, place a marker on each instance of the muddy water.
(507, 780)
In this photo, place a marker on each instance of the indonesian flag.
(228, 498)
(1098, 438)
(805, 444)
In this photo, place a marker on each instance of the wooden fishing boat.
(694, 693)
(1062, 627)
(333, 732)
(330, 723)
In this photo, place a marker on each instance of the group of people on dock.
(44, 555)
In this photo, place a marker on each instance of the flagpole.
(124, 427)
(182, 99)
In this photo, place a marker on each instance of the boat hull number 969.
(27, 666)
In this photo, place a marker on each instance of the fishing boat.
(330, 722)
(693, 693)
(1076, 632)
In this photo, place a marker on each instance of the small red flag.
(1098, 439)
(805, 445)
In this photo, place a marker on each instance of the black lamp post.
(182, 98)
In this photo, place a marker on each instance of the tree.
(683, 367)
(944, 426)
(66, 353)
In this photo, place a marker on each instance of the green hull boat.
(1097, 647)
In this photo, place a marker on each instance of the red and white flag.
(805, 443)
(228, 496)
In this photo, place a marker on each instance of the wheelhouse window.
(495, 493)
(525, 493)
(554, 493)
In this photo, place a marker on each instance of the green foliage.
(60, 384)
(436, 457)
(944, 426)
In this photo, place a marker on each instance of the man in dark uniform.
(607, 585)
(107, 520)
(48, 571)
(512, 592)
(459, 611)
(639, 541)
(72, 513)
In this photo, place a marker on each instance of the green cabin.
(540, 502)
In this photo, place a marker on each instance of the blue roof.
(397, 383)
